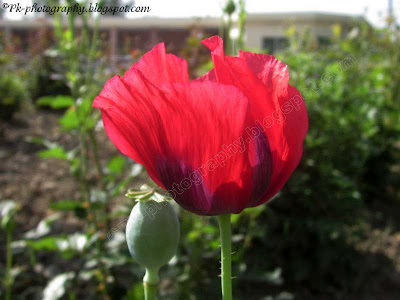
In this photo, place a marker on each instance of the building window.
(323, 41)
(274, 44)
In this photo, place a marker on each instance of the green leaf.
(47, 243)
(83, 110)
(70, 205)
(56, 102)
(40, 141)
(35, 140)
(8, 209)
(55, 152)
(65, 205)
(43, 228)
(70, 120)
(120, 187)
(116, 164)
(135, 292)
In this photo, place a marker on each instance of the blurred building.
(263, 31)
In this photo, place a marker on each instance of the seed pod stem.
(150, 282)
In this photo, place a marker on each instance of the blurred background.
(333, 232)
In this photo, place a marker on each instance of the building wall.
(121, 33)
(257, 31)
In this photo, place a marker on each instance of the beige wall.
(259, 26)
(256, 32)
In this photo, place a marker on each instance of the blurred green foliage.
(349, 160)
(46, 76)
(12, 89)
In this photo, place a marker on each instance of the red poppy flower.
(220, 143)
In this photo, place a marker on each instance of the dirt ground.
(35, 182)
(24, 177)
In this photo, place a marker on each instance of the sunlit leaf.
(75, 242)
(55, 152)
(42, 228)
(116, 164)
(8, 209)
(70, 120)
(66, 205)
(136, 170)
(56, 288)
(56, 102)
(120, 187)
(83, 110)
(47, 243)
(135, 292)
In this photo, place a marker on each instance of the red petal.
(272, 72)
(275, 76)
(221, 68)
(209, 76)
(159, 67)
(294, 130)
(122, 113)
(264, 81)
(176, 129)
(215, 44)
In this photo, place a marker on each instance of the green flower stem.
(150, 282)
(8, 279)
(150, 291)
(226, 272)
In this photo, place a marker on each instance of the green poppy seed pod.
(152, 234)
(230, 7)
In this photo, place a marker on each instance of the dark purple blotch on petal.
(262, 171)
(185, 185)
